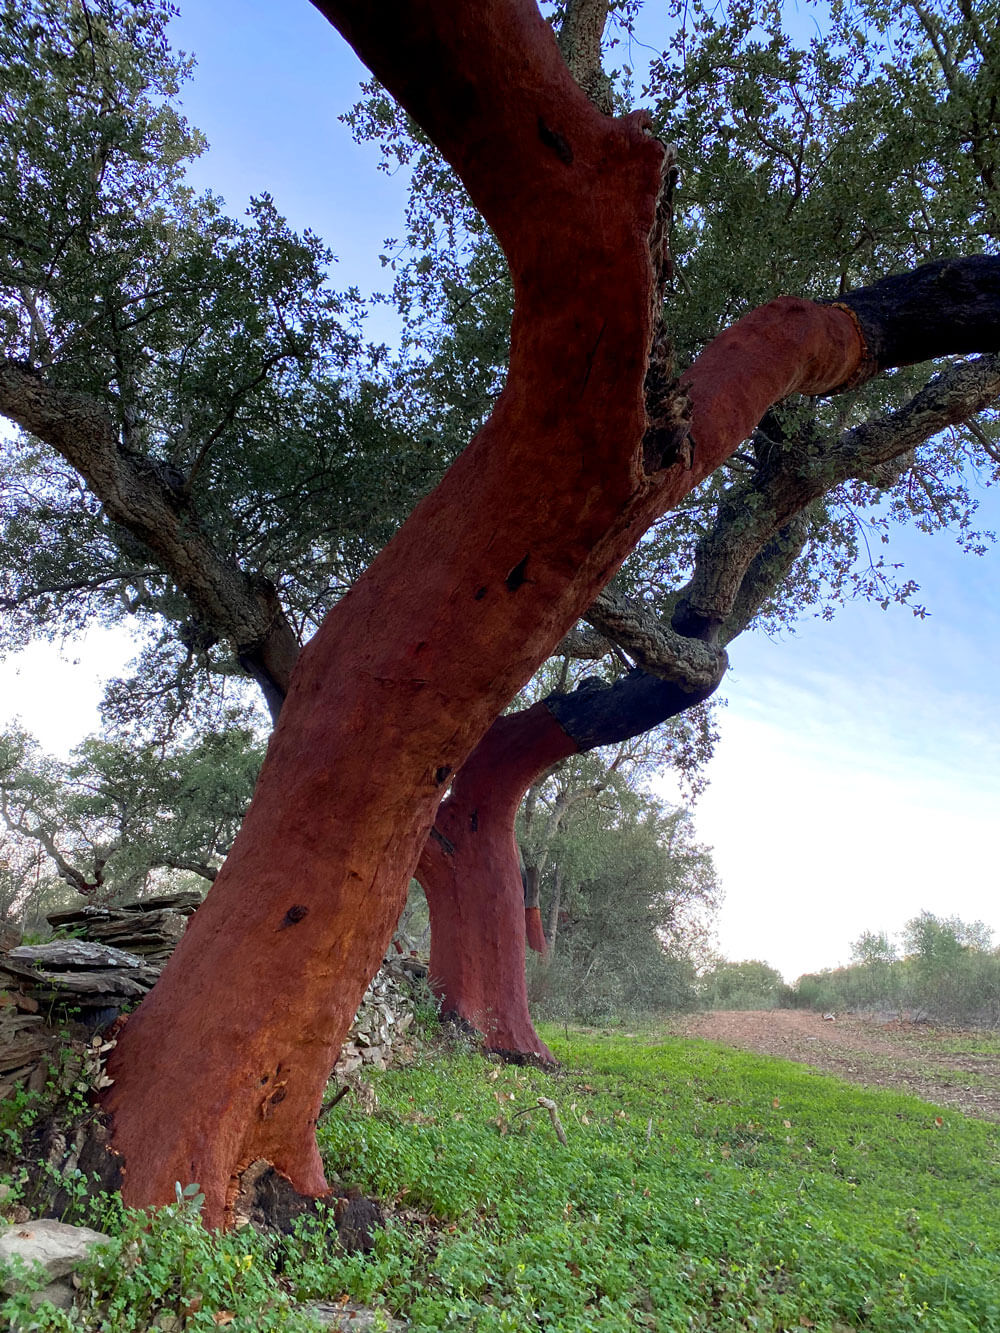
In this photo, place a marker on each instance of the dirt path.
(955, 1069)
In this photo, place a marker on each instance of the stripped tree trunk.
(470, 872)
(227, 1059)
(470, 868)
(533, 928)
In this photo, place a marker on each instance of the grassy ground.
(700, 1188)
(960, 1070)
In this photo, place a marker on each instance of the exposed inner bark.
(225, 1063)
(534, 931)
(471, 875)
(470, 870)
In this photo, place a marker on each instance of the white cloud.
(856, 783)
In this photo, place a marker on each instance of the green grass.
(701, 1189)
(761, 1196)
(983, 1043)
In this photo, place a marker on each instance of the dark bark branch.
(138, 494)
(584, 644)
(755, 512)
(948, 308)
(657, 649)
(765, 574)
(196, 867)
(605, 715)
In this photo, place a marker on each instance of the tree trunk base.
(269, 1201)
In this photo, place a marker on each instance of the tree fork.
(753, 558)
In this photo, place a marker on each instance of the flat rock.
(351, 1317)
(60, 954)
(56, 1246)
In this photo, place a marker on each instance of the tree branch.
(580, 43)
(140, 495)
(657, 648)
(755, 512)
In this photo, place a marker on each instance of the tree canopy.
(832, 160)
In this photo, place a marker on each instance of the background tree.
(28, 887)
(116, 813)
(874, 954)
(950, 972)
(945, 970)
(628, 897)
(750, 984)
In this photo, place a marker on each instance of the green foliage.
(701, 1189)
(747, 985)
(626, 891)
(116, 813)
(949, 973)
(218, 348)
(165, 1267)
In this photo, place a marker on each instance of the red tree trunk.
(227, 1059)
(471, 875)
(470, 868)
(534, 930)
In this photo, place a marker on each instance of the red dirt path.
(909, 1057)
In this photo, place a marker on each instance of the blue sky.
(857, 780)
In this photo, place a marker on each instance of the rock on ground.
(57, 1248)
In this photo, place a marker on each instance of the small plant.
(164, 1270)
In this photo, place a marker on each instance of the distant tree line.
(941, 970)
(944, 970)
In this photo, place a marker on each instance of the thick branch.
(142, 496)
(580, 43)
(754, 513)
(943, 309)
(655, 647)
(634, 704)
(584, 644)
